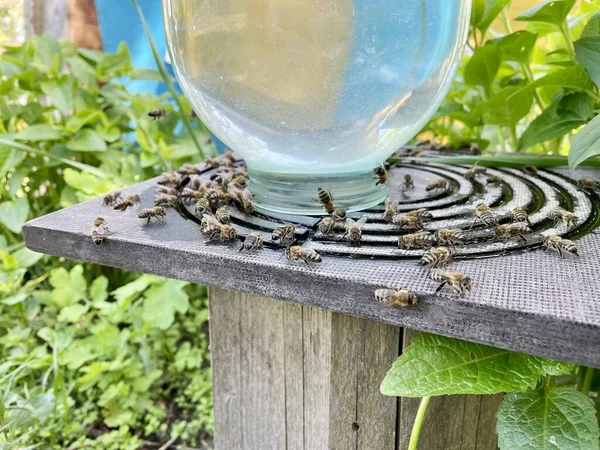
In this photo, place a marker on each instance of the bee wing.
(349, 222)
(361, 222)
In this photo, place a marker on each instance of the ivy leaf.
(14, 214)
(517, 46)
(162, 301)
(87, 140)
(38, 132)
(592, 28)
(555, 418)
(505, 108)
(551, 11)
(587, 52)
(60, 93)
(490, 11)
(586, 143)
(438, 365)
(483, 66)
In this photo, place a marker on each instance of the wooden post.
(296, 377)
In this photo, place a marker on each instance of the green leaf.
(82, 118)
(483, 66)
(592, 28)
(45, 47)
(492, 9)
(128, 292)
(69, 287)
(551, 11)
(14, 214)
(574, 77)
(72, 313)
(20, 297)
(9, 158)
(554, 418)
(145, 74)
(587, 52)
(112, 64)
(98, 289)
(60, 93)
(517, 46)
(586, 143)
(38, 132)
(438, 365)
(87, 140)
(505, 108)
(26, 258)
(162, 301)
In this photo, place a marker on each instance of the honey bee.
(326, 200)
(390, 210)
(450, 236)
(437, 185)
(408, 221)
(166, 190)
(122, 203)
(188, 169)
(396, 297)
(189, 195)
(222, 215)
(484, 214)
(217, 194)
(223, 177)
(158, 212)
(284, 234)
(253, 242)
(560, 215)
(354, 230)
(157, 114)
(560, 245)
(420, 239)
(456, 280)
(381, 174)
(408, 183)
(212, 162)
(588, 185)
(530, 170)
(168, 179)
(228, 156)
(111, 198)
(304, 253)
(518, 214)
(99, 231)
(436, 257)
(338, 214)
(199, 184)
(325, 225)
(494, 180)
(169, 201)
(202, 206)
(247, 202)
(216, 231)
(509, 230)
(473, 171)
(423, 215)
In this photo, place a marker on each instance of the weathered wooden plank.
(47, 15)
(294, 376)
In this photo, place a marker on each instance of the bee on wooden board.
(509, 230)
(157, 114)
(473, 171)
(222, 215)
(326, 200)
(216, 231)
(530, 170)
(408, 183)
(158, 212)
(560, 245)
(168, 179)
(559, 214)
(166, 190)
(420, 239)
(199, 184)
(436, 257)
(166, 200)
(216, 194)
(325, 225)
(390, 210)
(519, 214)
(456, 280)
(122, 203)
(381, 174)
(189, 195)
(423, 214)
(99, 231)
(354, 231)
(188, 169)
(484, 214)
(437, 186)
(202, 206)
(396, 297)
(111, 198)
(408, 221)
(284, 234)
(302, 253)
(450, 237)
(588, 185)
(252, 243)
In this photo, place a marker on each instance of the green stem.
(547, 382)
(587, 380)
(529, 76)
(564, 29)
(514, 138)
(413, 444)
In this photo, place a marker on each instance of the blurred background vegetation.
(101, 358)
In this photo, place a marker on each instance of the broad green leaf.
(8, 261)
(145, 74)
(126, 293)
(483, 66)
(162, 301)
(587, 52)
(39, 406)
(45, 47)
(592, 28)
(69, 287)
(38, 132)
(438, 365)
(16, 179)
(14, 214)
(553, 418)
(505, 108)
(477, 11)
(550, 11)
(20, 297)
(111, 64)
(72, 313)
(491, 11)
(26, 258)
(98, 292)
(517, 46)
(9, 158)
(574, 77)
(87, 140)
(92, 55)
(60, 93)
(87, 183)
(586, 143)
(82, 118)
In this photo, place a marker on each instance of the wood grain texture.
(293, 377)
(453, 422)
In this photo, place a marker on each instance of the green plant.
(518, 90)
(90, 357)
